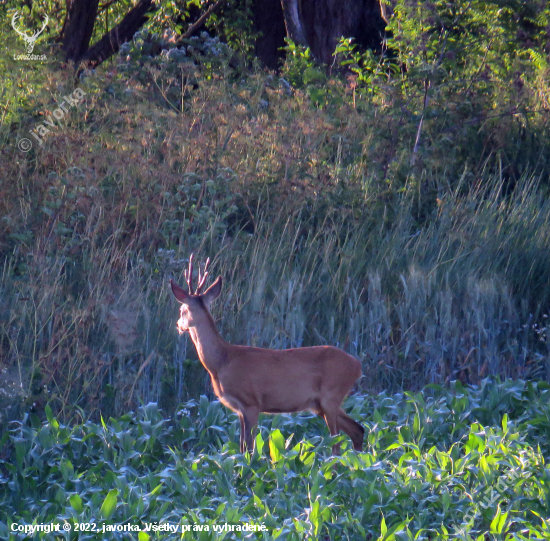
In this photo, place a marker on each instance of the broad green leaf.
(76, 502)
(383, 527)
(156, 489)
(259, 443)
(276, 445)
(498, 522)
(109, 504)
(49, 413)
(416, 424)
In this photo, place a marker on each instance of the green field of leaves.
(448, 463)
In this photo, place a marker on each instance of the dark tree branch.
(78, 27)
(200, 21)
(103, 7)
(110, 43)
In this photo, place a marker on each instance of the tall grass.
(461, 298)
(426, 305)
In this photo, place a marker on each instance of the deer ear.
(213, 292)
(179, 292)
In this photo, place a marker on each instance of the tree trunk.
(269, 22)
(110, 43)
(326, 21)
(78, 27)
(293, 22)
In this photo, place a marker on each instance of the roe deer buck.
(251, 380)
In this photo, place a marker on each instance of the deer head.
(194, 305)
(29, 40)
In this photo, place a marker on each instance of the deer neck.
(211, 347)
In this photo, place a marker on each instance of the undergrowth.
(448, 463)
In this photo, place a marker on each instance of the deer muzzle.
(182, 325)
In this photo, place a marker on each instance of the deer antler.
(201, 279)
(202, 276)
(189, 275)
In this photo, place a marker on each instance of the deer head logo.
(29, 40)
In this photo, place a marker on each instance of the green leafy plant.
(451, 462)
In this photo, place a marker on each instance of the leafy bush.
(468, 76)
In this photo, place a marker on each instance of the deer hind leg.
(249, 419)
(352, 428)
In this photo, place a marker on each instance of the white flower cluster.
(209, 46)
(146, 45)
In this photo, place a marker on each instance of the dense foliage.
(456, 463)
(462, 81)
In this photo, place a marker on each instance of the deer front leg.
(249, 419)
(241, 433)
(331, 419)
